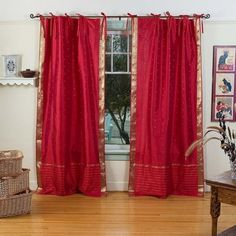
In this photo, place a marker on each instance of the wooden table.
(223, 189)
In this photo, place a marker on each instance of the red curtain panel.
(70, 115)
(166, 107)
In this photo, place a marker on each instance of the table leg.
(215, 209)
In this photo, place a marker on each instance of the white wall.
(19, 35)
(17, 124)
(117, 173)
(18, 103)
(215, 33)
(20, 10)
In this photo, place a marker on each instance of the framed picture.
(223, 86)
(11, 65)
(223, 106)
(225, 58)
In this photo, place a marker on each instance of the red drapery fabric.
(70, 117)
(166, 107)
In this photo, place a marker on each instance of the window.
(117, 80)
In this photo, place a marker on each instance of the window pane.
(108, 43)
(108, 63)
(117, 104)
(119, 63)
(119, 43)
(115, 25)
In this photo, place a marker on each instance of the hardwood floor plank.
(117, 214)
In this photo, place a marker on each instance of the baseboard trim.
(33, 184)
(111, 186)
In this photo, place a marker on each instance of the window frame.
(127, 53)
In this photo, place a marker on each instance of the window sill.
(19, 81)
(116, 152)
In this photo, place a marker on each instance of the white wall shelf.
(18, 81)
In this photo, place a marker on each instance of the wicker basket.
(13, 185)
(10, 163)
(19, 204)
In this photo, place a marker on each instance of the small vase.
(233, 169)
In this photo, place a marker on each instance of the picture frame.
(223, 83)
(11, 65)
(224, 106)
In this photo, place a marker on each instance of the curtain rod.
(205, 16)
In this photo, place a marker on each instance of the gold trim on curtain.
(101, 135)
(39, 106)
(133, 102)
(198, 22)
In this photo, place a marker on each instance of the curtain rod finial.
(32, 16)
(168, 13)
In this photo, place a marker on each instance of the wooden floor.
(116, 214)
